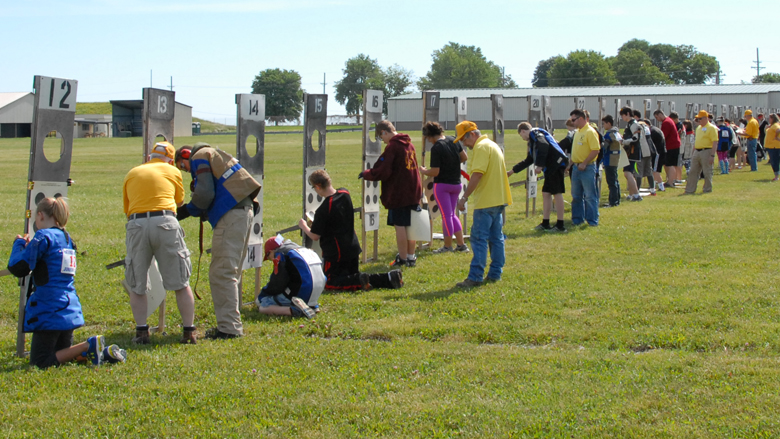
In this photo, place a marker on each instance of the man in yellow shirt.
(706, 146)
(490, 187)
(584, 151)
(751, 134)
(151, 193)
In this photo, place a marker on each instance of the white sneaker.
(661, 187)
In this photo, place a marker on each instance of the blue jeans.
(585, 198)
(487, 231)
(774, 159)
(751, 146)
(611, 173)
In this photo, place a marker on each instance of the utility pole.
(150, 78)
(171, 83)
(758, 64)
(323, 83)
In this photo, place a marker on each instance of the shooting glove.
(182, 213)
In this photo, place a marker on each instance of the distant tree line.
(637, 63)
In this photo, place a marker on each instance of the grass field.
(661, 322)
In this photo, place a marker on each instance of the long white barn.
(406, 111)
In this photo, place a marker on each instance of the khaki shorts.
(163, 238)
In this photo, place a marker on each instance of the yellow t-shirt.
(770, 139)
(585, 140)
(153, 186)
(705, 136)
(751, 130)
(493, 188)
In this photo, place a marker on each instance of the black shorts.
(402, 216)
(733, 151)
(672, 157)
(660, 161)
(554, 181)
(630, 168)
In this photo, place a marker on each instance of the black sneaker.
(216, 334)
(411, 260)
(542, 227)
(398, 262)
(396, 279)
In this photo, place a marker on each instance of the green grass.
(661, 322)
(94, 108)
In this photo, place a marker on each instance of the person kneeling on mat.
(334, 227)
(296, 281)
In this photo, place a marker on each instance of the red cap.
(272, 244)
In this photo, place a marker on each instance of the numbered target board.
(648, 108)
(497, 102)
(250, 117)
(158, 114)
(54, 109)
(315, 115)
(372, 149)
(579, 103)
(535, 111)
(431, 114)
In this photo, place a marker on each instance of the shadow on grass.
(435, 295)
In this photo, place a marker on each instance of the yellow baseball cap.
(748, 113)
(702, 114)
(164, 149)
(463, 128)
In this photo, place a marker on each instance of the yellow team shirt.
(585, 140)
(153, 186)
(705, 136)
(751, 130)
(493, 188)
(770, 139)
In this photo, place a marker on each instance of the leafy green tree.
(683, 64)
(634, 67)
(397, 81)
(360, 72)
(581, 67)
(283, 93)
(542, 69)
(459, 66)
(767, 78)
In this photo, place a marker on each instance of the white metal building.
(16, 114)
(406, 111)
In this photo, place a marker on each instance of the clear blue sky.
(214, 49)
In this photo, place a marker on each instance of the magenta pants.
(447, 198)
(723, 156)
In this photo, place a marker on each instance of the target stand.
(372, 149)
(461, 105)
(431, 106)
(54, 110)
(158, 119)
(315, 113)
(250, 115)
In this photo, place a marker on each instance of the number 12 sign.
(57, 94)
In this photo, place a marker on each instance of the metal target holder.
(54, 110)
(250, 116)
(431, 106)
(372, 149)
(539, 114)
(461, 113)
(497, 104)
(158, 118)
(315, 115)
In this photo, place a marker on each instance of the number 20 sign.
(58, 94)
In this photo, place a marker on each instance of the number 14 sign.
(58, 94)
